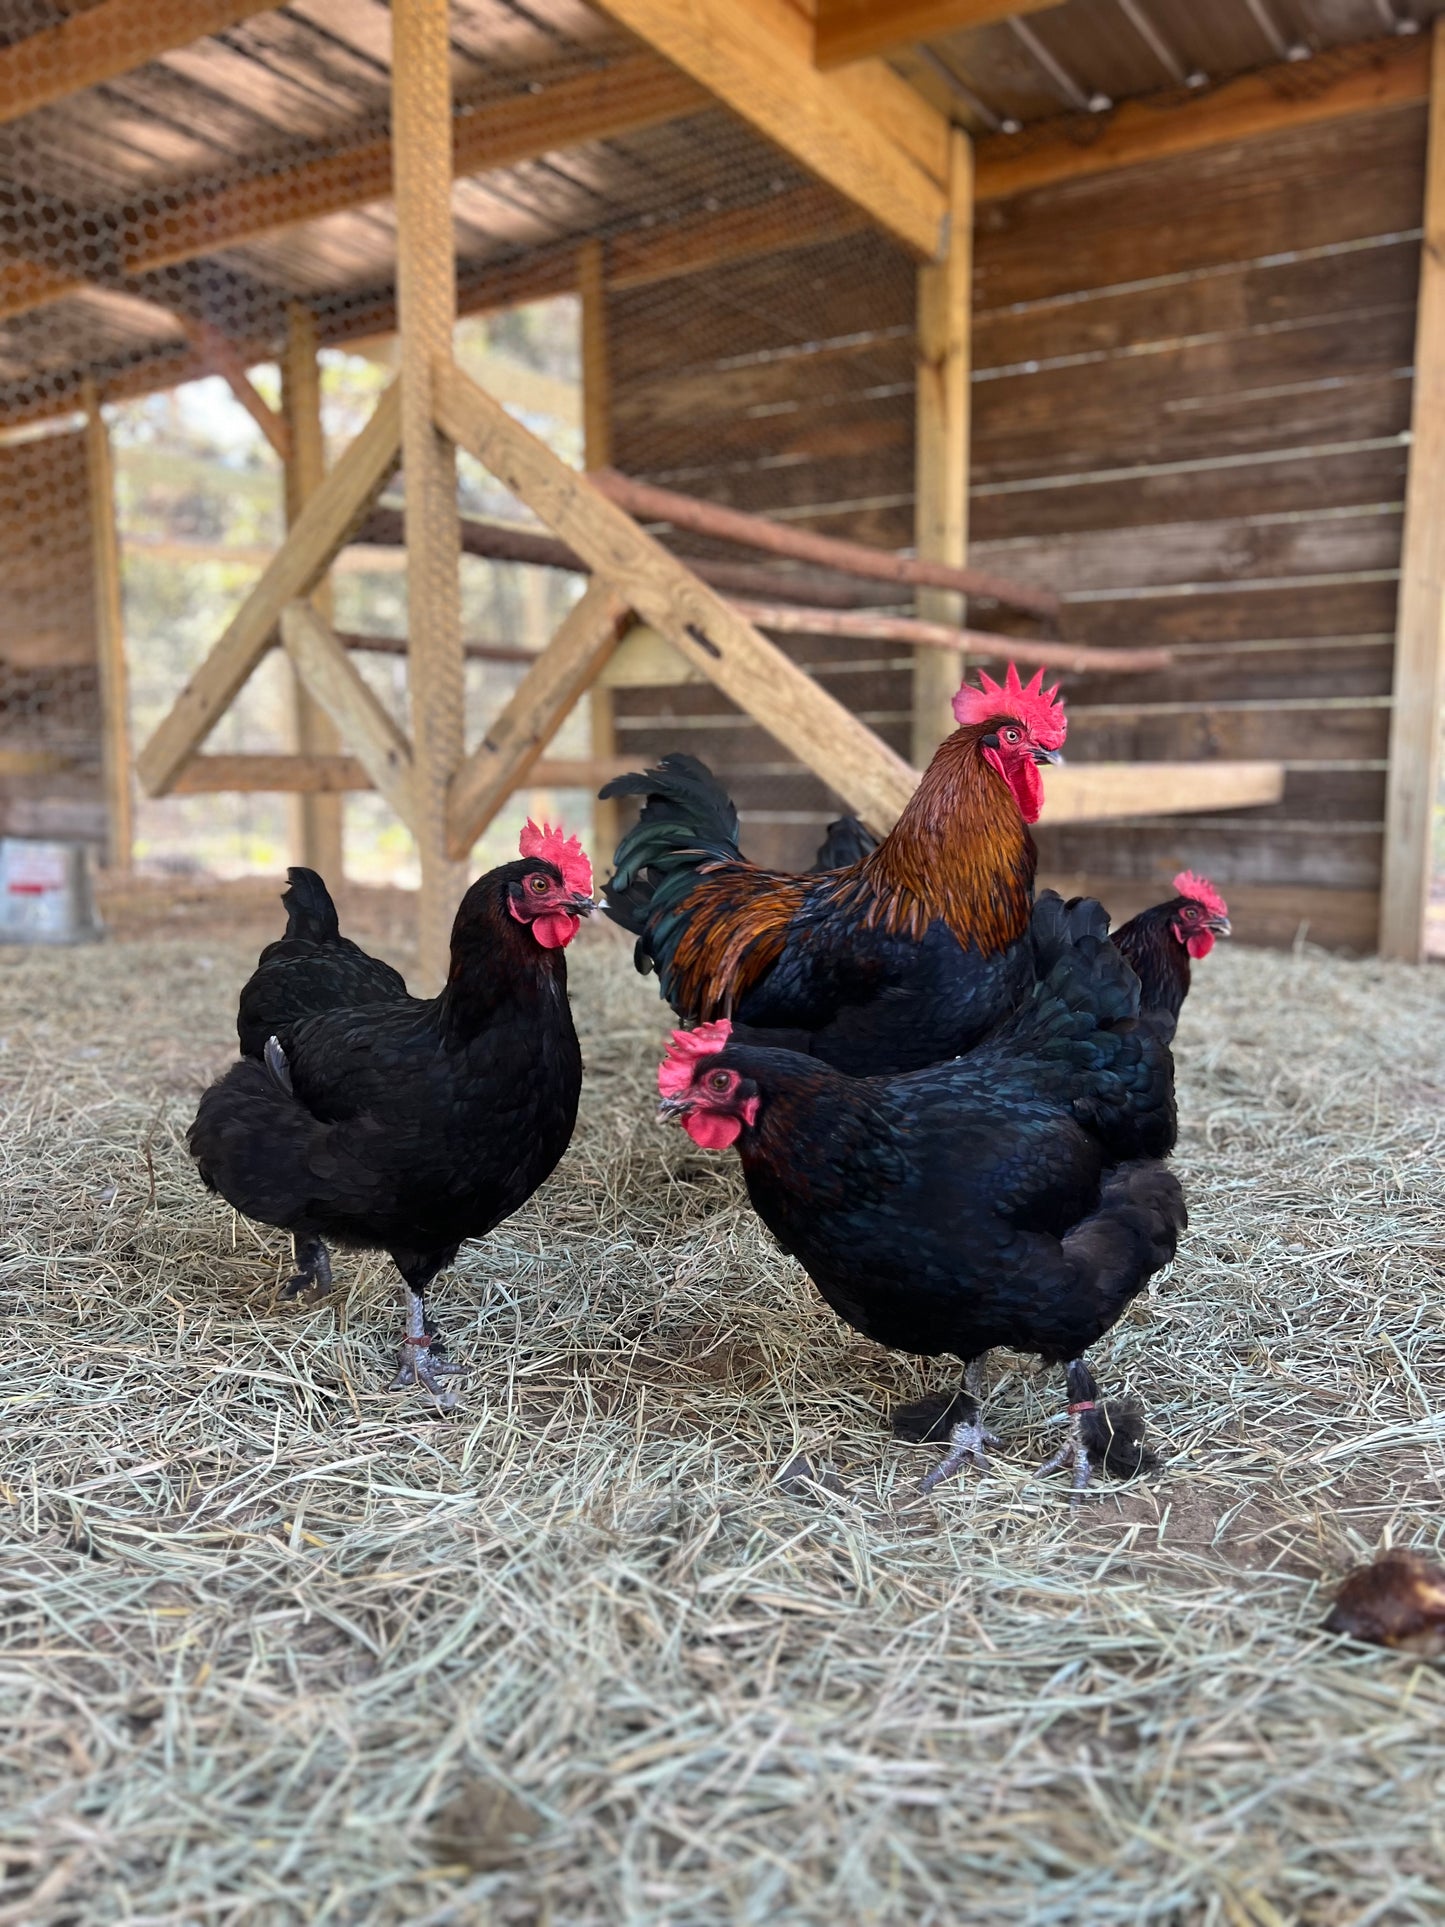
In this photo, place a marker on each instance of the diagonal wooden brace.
(704, 629)
(320, 531)
(540, 704)
(332, 680)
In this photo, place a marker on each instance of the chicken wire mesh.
(159, 231)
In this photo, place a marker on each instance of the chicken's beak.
(581, 906)
(670, 1107)
(1041, 755)
(1219, 925)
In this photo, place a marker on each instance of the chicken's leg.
(1101, 1433)
(423, 1354)
(313, 1267)
(955, 1416)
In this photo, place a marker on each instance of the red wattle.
(555, 930)
(712, 1130)
(1199, 943)
(1027, 786)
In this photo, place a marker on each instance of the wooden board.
(1419, 692)
(361, 721)
(514, 741)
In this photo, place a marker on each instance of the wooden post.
(1420, 632)
(109, 638)
(945, 293)
(597, 453)
(317, 819)
(421, 124)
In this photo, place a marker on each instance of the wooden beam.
(309, 776)
(318, 817)
(756, 674)
(1099, 792)
(101, 44)
(314, 775)
(945, 641)
(115, 751)
(826, 551)
(865, 131)
(426, 301)
(941, 448)
(322, 527)
(1362, 79)
(540, 704)
(376, 740)
(1413, 791)
(845, 30)
(597, 453)
(222, 357)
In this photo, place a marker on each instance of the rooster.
(397, 1124)
(1160, 941)
(907, 955)
(1017, 1196)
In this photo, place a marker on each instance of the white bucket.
(44, 892)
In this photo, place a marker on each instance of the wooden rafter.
(706, 631)
(864, 131)
(322, 528)
(103, 43)
(332, 681)
(635, 92)
(846, 30)
(1365, 78)
(514, 741)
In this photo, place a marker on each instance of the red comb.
(1200, 890)
(1037, 708)
(564, 853)
(674, 1073)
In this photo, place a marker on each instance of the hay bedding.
(280, 1648)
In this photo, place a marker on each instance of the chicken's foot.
(313, 1267)
(423, 1357)
(968, 1440)
(1102, 1433)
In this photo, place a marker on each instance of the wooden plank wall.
(1191, 390)
(49, 685)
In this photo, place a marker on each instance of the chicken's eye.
(719, 1081)
(1191, 913)
(538, 885)
(1013, 735)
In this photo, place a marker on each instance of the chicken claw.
(422, 1365)
(423, 1358)
(967, 1441)
(1073, 1452)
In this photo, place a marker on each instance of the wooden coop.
(914, 333)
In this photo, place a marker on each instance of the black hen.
(1160, 941)
(409, 1125)
(1013, 1197)
(310, 969)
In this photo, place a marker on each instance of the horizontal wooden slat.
(1228, 613)
(1341, 857)
(1310, 732)
(1203, 488)
(1308, 188)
